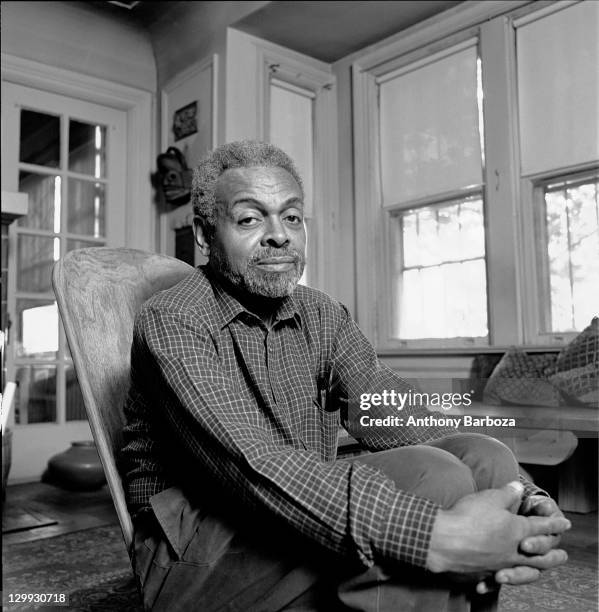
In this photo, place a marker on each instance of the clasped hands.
(481, 537)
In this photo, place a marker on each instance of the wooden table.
(582, 420)
(565, 437)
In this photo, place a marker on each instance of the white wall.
(76, 37)
(92, 56)
(190, 32)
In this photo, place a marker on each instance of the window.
(66, 186)
(432, 194)
(67, 156)
(297, 101)
(476, 160)
(291, 127)
(568, 232)
(558, 102)
(49, 149)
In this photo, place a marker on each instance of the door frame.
(140, 220)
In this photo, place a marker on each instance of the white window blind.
(558, 88)
(291, 129)
(429, 127)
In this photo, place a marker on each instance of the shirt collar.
(229, 308)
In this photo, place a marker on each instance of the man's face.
(259, 241)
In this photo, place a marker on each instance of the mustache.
(271, 252)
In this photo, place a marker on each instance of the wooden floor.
(38, 510)
(581, 541)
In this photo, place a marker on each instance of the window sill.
(465, 350)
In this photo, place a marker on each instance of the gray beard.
(260, 282)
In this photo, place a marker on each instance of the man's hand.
(479, 534)
(539, 505)
(535, 505)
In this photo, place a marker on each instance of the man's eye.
(293, 219)
(247, 221)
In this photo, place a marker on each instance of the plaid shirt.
(259, 410)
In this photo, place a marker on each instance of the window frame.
(533, 220)
(376, 243)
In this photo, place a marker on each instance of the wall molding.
(466, 15)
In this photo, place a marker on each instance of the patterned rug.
(93, 568)
(570, 588)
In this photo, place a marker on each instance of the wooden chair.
(99, 291)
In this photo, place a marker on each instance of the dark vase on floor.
(78, 468)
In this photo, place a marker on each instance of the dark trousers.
(188, 560)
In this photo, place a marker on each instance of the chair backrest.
(98, 292)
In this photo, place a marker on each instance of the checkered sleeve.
(356, 372)
(357, 375)
(350, 508)
(530, 488)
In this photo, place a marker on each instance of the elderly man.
(240, 379)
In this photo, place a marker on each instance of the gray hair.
(242, 154)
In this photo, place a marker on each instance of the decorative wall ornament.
(174, 177)
(185, 121)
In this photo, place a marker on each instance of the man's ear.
(201, 233)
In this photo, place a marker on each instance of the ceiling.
(326, 30)
(331, 30)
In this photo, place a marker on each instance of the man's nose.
(275, 234)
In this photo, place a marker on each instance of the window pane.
(442, 289)
(43, 210)
(448, 232)
(444, 301)
(429, 129)
(74, 400)
(36, 256)
(572, 222)
(40, 139)
(87, 149)
(37, 331)
(35, 400)
(471, 229)
(86, 208)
